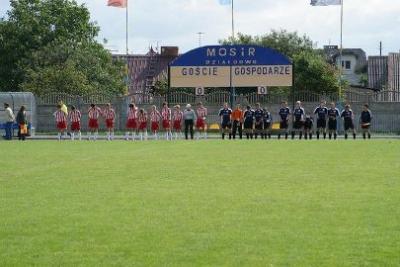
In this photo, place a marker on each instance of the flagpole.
(233, 22)
(127, 45)
(232, 100)
(341, 50)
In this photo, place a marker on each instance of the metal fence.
(386, 112)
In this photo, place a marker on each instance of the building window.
(346, 64)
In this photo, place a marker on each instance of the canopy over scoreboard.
(231, 66)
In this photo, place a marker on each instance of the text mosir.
(231, 52)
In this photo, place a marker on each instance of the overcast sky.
(177, 22)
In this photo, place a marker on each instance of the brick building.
(378, 72)
(384, 74)
(145, 70)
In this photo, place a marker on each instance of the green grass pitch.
(207, 203)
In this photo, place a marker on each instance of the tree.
(50, 46)
(311, 70)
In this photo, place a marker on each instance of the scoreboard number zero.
(200, 91)
(262, 90)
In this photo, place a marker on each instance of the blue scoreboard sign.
(225, 66)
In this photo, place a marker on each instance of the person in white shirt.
(9, 121)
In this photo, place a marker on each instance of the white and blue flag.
(326, 2)
(225, 2)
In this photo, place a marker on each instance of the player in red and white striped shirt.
(177, 119)
(132, 121)
(61, 122)
(74, 118)
(94, 113)
(109, 115)
(201, 124)
(155, 117)
(142, 119)
(166, 121)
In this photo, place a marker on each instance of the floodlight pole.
(341, 51)
(232, 100)
(127, 46)
(200, 35)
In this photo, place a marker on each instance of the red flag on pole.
(117, 3)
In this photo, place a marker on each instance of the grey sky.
(176, 22)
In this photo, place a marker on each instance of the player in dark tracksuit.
(321, 113)
(333, 115)
(225, 115)
(267, 123)
(308, 126)
(365, 121)
(258, 121)
(298, 120)
(248, 118)
(284, 114)
(348, 118)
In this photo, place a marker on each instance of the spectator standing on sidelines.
(333, 115)
(259, 121)
(166, 121)
(267, 124)
(298, 120)
(61, 122)
(9, 121)
(284, 114)
(94, 113)
(22, 123)
(248, 122)
(142, 119)
(237, 122)
(74, 118)
(189, 116)
(109, 115)
(365, 121)
(177, 121)
(155, 117)
(131, 122)
(225, 115)
(348, 119)
(321, 113)
(201, 122)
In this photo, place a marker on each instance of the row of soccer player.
(258, 121)
(252, 122)
(137, 121)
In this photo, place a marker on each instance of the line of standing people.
(137, 121)
(258, 122)
(20, 119)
